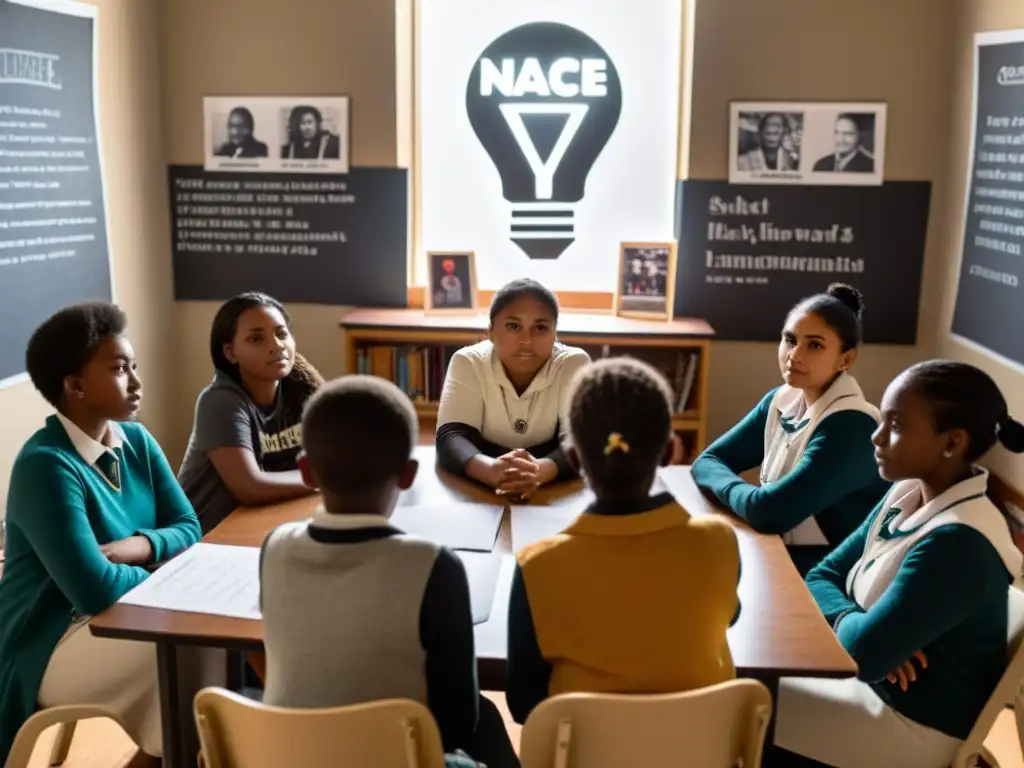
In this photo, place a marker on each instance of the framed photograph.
(820, 143)
(282, 134)
(647, 279)
(451, 282)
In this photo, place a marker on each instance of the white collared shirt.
(90, 450)
(323, 519)
(477, 392)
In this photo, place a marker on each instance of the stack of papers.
(454, 525)
(208, 578)
(221, 580)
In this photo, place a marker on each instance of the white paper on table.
(214, 579)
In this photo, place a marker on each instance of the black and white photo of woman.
(307, 137)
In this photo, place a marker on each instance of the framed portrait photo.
(820, 143)
(276, 134)
(647, 278)
(451, 282)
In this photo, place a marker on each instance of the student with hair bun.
(635, 596)
(918, 594)
(811, 437)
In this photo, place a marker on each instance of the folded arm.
(717, 469)
(935, 589)
(827, 580)
(837, 461)
(48, 505)
(177, 527)
(224, 433)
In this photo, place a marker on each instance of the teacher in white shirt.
(503, 410)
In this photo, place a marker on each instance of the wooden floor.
(102, 744)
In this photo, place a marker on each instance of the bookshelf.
(412, 349)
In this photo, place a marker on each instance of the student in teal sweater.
(92, 502)
(811, 437)
(918, 595)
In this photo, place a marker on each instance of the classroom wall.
(741, 49)
(971, 16)
(272, 47)
(130, 127)
(793, 50)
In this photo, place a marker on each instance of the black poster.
(318, 239)
(747, 254)
(53, 238)
(989, 301)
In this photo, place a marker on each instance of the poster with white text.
(548, 134)
(53, 229)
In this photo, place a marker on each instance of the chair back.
(236, 732)
(1007, 691)
(722, 726)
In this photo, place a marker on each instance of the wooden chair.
(1007, 693)
(236, 732)
(722, 726)
(66, 718)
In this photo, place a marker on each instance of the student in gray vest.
(354, 609)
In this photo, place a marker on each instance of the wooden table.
(780, 631)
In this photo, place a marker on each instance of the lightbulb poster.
(548, 134)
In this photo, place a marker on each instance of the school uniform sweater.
(933, 578)
(625, 600)
(60, 509)
(354, 610)
(481, 412)
(819, 479)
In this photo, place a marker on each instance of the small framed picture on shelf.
(451, 282)
(647, 279)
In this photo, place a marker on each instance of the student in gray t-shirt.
(247, 431)
(356, 610)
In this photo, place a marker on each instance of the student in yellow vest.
(918, 594)
(635, 596)
(811, 437)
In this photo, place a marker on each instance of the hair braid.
(620, 420)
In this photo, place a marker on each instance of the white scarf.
(903, 522)
(789, 428)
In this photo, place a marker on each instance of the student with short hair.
(811, 437)
(502, 415)
(355, 610)
(92, 503)
(246, 436)
(636, 595)
(918, 594)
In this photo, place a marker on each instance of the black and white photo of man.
(773, 146)
(308, 139)
(241, 142)
(852, 132)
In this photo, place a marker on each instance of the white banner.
(548, 134)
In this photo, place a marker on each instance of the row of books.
(420, 371)
(417, 371)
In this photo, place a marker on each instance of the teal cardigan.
(59, 511)
(949, 600)
(836, 480)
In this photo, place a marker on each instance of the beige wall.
(972, 16)
(793, 50)
(129, 114)
(270, 47)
